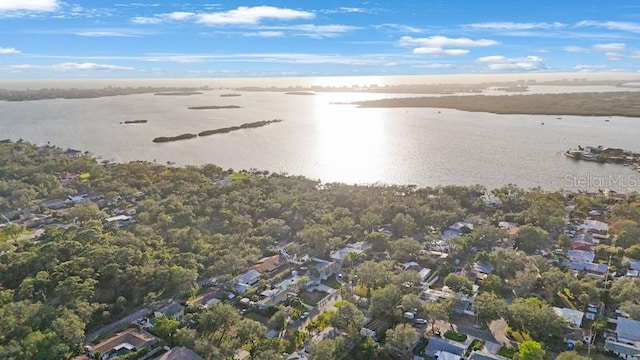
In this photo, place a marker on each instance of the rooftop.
(573, 316)
(136, 338)
(180, 353)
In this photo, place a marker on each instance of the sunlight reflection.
(351, 142)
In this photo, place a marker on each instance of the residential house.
(594, 226)
(573, 317)
(628, 330)
(180, 353)
(440, 349)
(119, 220)
(424, 274)
(269, 264)
(173, 310)
(581, 256)
(323, 269)
(246, 281)
(241, 355)
(340, 254)
(482, 269)
(624, 351)
(483, 355)
(634, 268)
(123, 343)
(412, 265)
(594, 270)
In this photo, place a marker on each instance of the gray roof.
(628, 329)
(588, 266)
(481, 355)
(439, 344)
(171, 310)
(250, 277)
(620, 348)
(634, 264)
(180, 353)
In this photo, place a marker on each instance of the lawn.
(312, 297)
(332, 282)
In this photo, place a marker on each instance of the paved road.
(116, 325)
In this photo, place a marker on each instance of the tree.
(373, 274)
(379, 241)
(70, 328)
(316, 236)
(86, 211)
(489, 307)
(438, 311)
(531, 350)
(531, 238)
(570, 355)
(249, 331)
(486, 237)
(347, 318)
(166, 328)
(403, 225)
(405, 249)
(459, 283)
(492, 283)
(535, 317)
(384, 300)
(402, 337)
(326, 349)
(279, 320)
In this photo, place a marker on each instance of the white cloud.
(29, 5)
(345, 10)
(8, 51)
(588, 68)
(614, 56)
(509, 26)
(576, 49)
(245, 15)
(105, 33)
(172, 16)
(502, 63)
(71, 66)
(610, 47)
(443, 41)
(398, 28)
(317, 31)
(433, 66)
(440, 51)
(611, 25)
(264, 34)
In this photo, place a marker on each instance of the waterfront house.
(592, 269)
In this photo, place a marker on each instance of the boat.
(606, 120)
(542, 123)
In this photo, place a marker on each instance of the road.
(116, 325)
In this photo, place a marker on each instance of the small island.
(126, 122)
(230, 95)
(581, 104)
(240, 127)
(164, 139)
(214, 107)
(299, 93)
(225, 130)
(605, 155)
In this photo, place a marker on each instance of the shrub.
(455, 336)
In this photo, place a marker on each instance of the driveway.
(107, 329)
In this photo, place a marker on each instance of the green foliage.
(455, 336)
(508, 351)
(401, 337)
(534, 317)
(531, 350)
(571, 355)
(459, 283)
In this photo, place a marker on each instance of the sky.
(174, 39)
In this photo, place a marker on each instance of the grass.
(455, 336)
(332, 282)
(476, 344)
(362, 291)
(517, 335)
(507, 351)
(312, 297)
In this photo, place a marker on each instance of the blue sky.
(149, 39)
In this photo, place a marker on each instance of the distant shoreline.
(214, 107)
(580, 104)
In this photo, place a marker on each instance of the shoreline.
(568, 104)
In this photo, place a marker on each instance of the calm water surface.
(332, 142)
